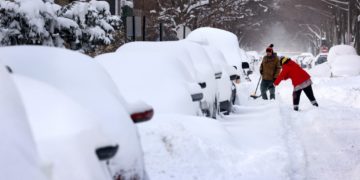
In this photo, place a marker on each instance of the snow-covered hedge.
(78, 25)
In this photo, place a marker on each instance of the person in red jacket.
(300, 80)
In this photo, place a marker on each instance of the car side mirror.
(202, 85)
(107, 152)
(245, 65)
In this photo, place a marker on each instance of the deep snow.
(262, 139)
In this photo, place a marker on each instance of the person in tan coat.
(269, 70)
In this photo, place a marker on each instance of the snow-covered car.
(160, 78)
(225, 41)
(70, 140)
(83, 80)
(344, 61)
(345, 65)
(195, 60)
(320, 59)
(225, 87)
(205, 69)
(340, 50)
(305, 60)
(18, 153)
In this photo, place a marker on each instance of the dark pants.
(309, 93)
(265, 86)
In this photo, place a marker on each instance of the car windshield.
(321, 60)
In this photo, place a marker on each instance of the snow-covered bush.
(29, 22)
(95, 22)
(78, 25)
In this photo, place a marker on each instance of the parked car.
(195, 60)
(225, 87)
(83, 80)
(320, 59)
(225, 41)
(305, 60)
(67, 135)
(344, 61)
(161, 78)
(340, 50)
(18, 153)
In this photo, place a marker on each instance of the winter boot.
(314, 103)
(296, 108)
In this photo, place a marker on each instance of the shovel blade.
(254, 96)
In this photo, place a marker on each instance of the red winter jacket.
(294, 72)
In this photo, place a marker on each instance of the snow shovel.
(257, 86)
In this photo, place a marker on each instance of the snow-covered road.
(263, 140)
(315, 143)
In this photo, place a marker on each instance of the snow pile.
(342, 90)
(321, 70)
(187, 147)
(346, 65)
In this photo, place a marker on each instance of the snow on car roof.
(340, 50)
(225, 41)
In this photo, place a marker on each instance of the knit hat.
(284, 59)
(269, 49)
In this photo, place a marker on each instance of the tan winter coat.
(270, 67)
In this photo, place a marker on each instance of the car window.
(321, 60)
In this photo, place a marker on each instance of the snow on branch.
(79, 25)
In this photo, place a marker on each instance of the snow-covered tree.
(29, 22)
(238, 16)
(95, 22)
(79, 25)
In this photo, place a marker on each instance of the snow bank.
(186, 147)
(340, 50)
(346, 65)
(321, 70)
